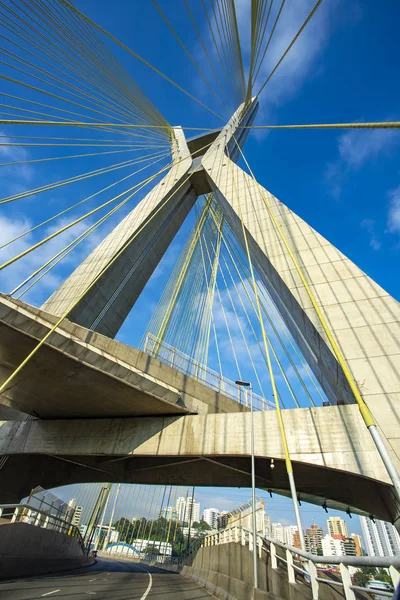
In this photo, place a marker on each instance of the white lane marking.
(49, 593)
(147, 592)
(90, 580)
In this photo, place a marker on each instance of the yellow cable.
(74, 179)
(282, 430)
(111, 37)
(290, 46)
(194, 63)
(157, 156)
(88, 214)
(82, 55)
(362, 125)
(364, 410)
(93, 283)
(37, 160)
(67, 249)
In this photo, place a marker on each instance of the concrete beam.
(335, 459)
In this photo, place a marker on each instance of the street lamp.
(253, 481)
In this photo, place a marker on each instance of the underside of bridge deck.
(335, 461)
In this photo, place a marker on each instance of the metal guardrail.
(26, 513)
(303, 565)
(195, 370)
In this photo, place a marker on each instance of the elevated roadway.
(108, 579)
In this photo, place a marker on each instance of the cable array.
(209, 303)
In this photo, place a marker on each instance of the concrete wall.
(29, 550)
(227, 571)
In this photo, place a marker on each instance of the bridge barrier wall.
(28, 550)
(226, 570)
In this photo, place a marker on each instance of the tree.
(365, 574)
(201, 526)
(152, 549)
(125, 529)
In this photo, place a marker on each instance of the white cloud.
(357, 147)
(15, 173)
(301, 59)
(393, 217)
(369, 226)
(17, 272)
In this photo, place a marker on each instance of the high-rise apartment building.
(358, 543)
(188, 510)
(277, 532)
(338, 545)
(289, 534)
(313, 539)
(168, 513)
(336, 526)
(210, 516)
(76, 519)
(267, 525)
(74, 512)
(381, 538)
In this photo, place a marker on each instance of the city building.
(336, 526)
(277, 532)
(223, 519)
(349, 547)
(313, 539)
(210, 516)
(338, 545)
(381, 538)
(296, 539)
(74, 512)
(188, 510)
(76, 519)
(267, 525)
(289, 534)
(358, 542)
(168, 513)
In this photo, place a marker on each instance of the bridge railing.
(25, 513)
(307, 568)
(195, 370)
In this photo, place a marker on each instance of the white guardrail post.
(347, 583)
(395, 575)
(312, 570)
(274, 562)
(290, 568)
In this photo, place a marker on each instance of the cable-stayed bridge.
(256, 292)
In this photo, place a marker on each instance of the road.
(107, 579)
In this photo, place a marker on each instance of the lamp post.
(253, 481)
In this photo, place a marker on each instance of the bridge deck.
(82, 374)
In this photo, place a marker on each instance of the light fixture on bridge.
(253, 481)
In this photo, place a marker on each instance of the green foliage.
(158, 530)
(365, 574)
(201, 526)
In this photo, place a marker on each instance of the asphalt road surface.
(107, 579)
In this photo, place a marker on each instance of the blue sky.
(344, 183)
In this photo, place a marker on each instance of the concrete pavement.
(107, 579)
